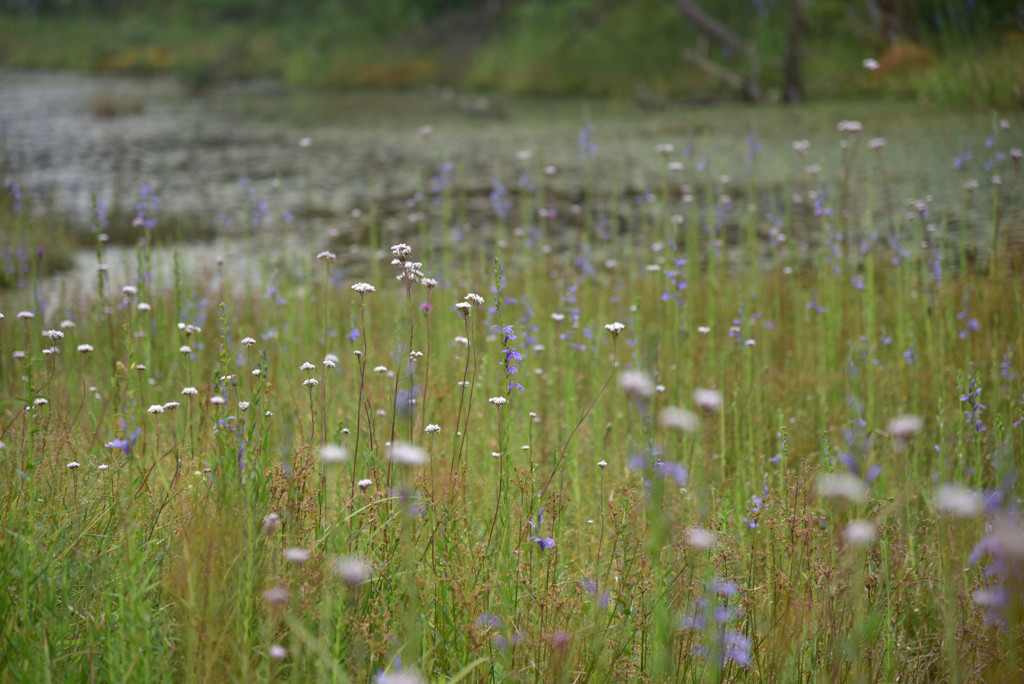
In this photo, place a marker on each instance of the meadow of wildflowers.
(729, 434)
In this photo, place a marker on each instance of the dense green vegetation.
(718, 440)
(961, 52)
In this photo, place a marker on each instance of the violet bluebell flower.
(676, 471)
(960, 161)
(125, 444)
(713, 616)
(735, 648)
(815, 306)
(1002, 551)
(146, 207)
(488, 620)
(542, 542)
(858, 447)
(511, 357)
(15, 190)
(971, 324)
(587, 147)
(909, 356)
(971, 397)
(442, 182)
(499, 199)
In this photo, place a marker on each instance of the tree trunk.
(713, 28)
(793, 83)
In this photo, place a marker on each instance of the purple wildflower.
(499, 199)
(587, 147)
(125, 444)
(542, 542)
(971, 397)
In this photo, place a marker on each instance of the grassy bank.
(704, 444)
(629, 50)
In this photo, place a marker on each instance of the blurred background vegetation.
(957, 52)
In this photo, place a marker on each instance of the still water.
(231, 157)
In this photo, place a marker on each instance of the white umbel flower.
(615, 328)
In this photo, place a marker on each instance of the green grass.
(156, 566)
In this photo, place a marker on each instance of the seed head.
(841, 485)
(708, 400)
(956, 501)
(859, 533)
(271, 523)
(277, 596)
(677, 418)
(406, 454)
(636, 384)
(699, 538)
(906, 426)
(333, 453)
(352, 570)
(295, 555)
